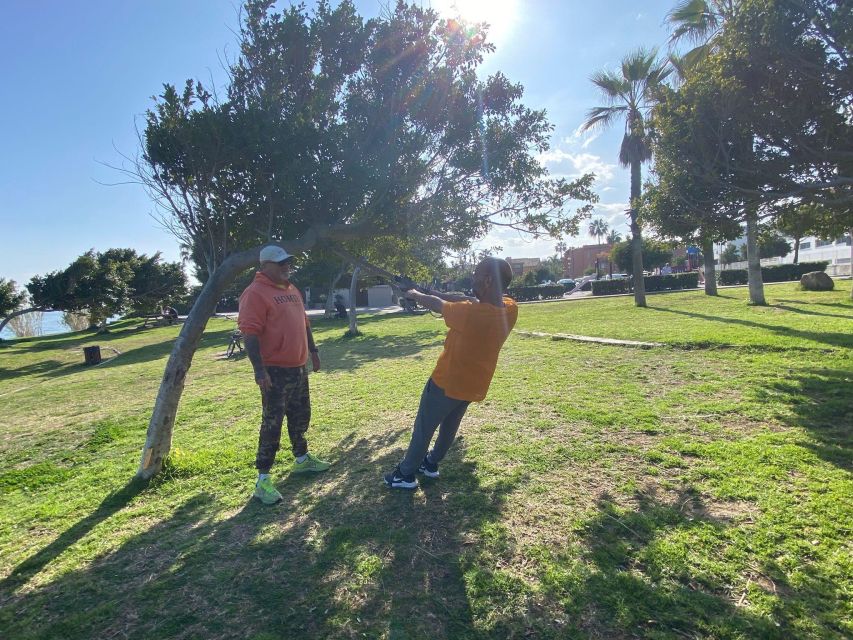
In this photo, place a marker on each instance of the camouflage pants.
(287, 397)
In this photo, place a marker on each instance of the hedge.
(779, 273)
(653, 283)
(541, 292)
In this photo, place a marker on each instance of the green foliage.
(529, 279)
(360, 130)
(104, 284)
(777, 273)
(10, 297)
(536, 292)
(759, 118)
(655, 254)
(672, 282)
(772, 245)
(731, 253)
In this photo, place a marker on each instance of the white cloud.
(581, 163)
(581, 137)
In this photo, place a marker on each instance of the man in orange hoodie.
(278, 341)
(478, 327)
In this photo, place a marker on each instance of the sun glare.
(499, 14)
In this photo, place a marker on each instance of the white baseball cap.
(273, 253)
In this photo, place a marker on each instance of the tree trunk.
(17, 313)
(158, 440)
(851, 261)
(353, 291)
(636, 238)
(796, 250)
(710, 271)
(756, 286)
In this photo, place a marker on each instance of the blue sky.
(78, 77)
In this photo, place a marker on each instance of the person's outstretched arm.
(433, 303)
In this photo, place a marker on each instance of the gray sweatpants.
(435, 409)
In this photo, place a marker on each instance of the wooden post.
(92, 355)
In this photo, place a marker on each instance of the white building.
(812, 249)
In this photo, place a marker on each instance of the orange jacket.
(276, 315)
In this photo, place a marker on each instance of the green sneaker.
(310, 464)
(266, 492)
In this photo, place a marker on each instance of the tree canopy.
(342, 128)
(109, 283)
(10, 297)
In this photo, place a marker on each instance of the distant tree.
(730, 254)
(772, 245)
(10, 297)
(598, 229)
(105, 284)
(544, 273)
(613, 237)
(631, 94)
(529, 279)
(655, 254)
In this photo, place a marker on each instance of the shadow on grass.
(809, 312)
(53, 368)
(113, 503)
(347, 353)
(819, 399)
(341, 556)
(824, 337)
(635, 576)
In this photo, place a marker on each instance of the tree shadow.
(809, 312)
(837, 305)
(48, 369)
(632, 578)
(114, 502)
(348, 353)
(818, 399)
(340, 556)
(824, 337)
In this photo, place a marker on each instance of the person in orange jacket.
(278, 341)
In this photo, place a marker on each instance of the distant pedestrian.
(478, 327)
(278, 342)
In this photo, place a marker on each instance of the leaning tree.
(332, 130)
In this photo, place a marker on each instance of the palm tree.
(700, 22)
(613, 237)
(598, 228)
(631, 94)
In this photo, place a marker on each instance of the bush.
(779, 273)
(541, 292)
(610, 287)
(671, 282)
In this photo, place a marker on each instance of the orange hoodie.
(276, 315)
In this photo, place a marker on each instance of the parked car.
(618, 276)
(567, 283)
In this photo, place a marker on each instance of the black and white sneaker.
(429, 469)
(397, 480)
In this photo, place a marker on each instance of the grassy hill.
(701, 489)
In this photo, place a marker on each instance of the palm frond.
(602, 117)
(612, 87)
(695, 20)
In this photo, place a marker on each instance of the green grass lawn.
(698, 490)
